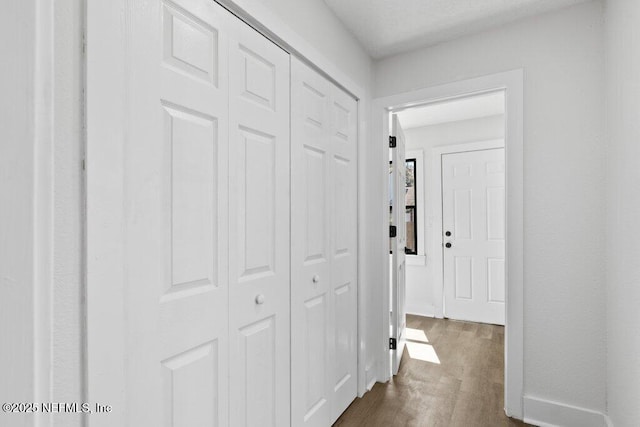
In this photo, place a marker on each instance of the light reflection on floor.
(418, 346)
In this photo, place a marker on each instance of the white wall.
(623, 216)
(420, 296)
(318, 26)
(564, 289)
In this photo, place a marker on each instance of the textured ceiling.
(387, 27)
(452, 111)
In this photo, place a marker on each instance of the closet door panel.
(324, 258)
(193, 312)
(311, 297)
(162, 341)
(344, 139)
(259, 230)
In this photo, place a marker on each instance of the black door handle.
(447, 245)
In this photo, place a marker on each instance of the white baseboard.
(546, 413)
(419, 311)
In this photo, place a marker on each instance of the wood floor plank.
(451, 374)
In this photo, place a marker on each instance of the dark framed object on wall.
(411, 217)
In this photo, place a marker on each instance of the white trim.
(416, 260)
(419, 310)
(43, 205)
(512, 83)
(106, 118)
(548, 413)
(380, 124)
(436, 213)
(26, 187)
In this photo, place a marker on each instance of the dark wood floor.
(464, 389)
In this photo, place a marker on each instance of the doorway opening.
(458, 271)
(471, 178)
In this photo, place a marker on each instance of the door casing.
(512, 82)
(398, 244)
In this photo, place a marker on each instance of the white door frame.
(106, 61)
(512, 83)
(436, 182)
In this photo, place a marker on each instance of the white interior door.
(175, 285)
(157, 237)
(398, 243)
(323, 257)
(343, 113)
(259, 230)
(473, 221)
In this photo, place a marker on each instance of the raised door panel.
(190, 387)
(343, 203)
(192, 141)
(463, 277)
(495, 213)
(257, 356)
(316, 358)
(314, 204)
(311, 299)
(462, 213)
(343, 337)
(259, 230)
(256, 203)
(190, 43)
(496, 280)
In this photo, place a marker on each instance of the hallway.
(451, 375)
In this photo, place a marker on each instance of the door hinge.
(392, 231)
(392, 142)
(393, 344)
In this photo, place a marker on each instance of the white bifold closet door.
(259, 231)
(323, 248)
(188, 222)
